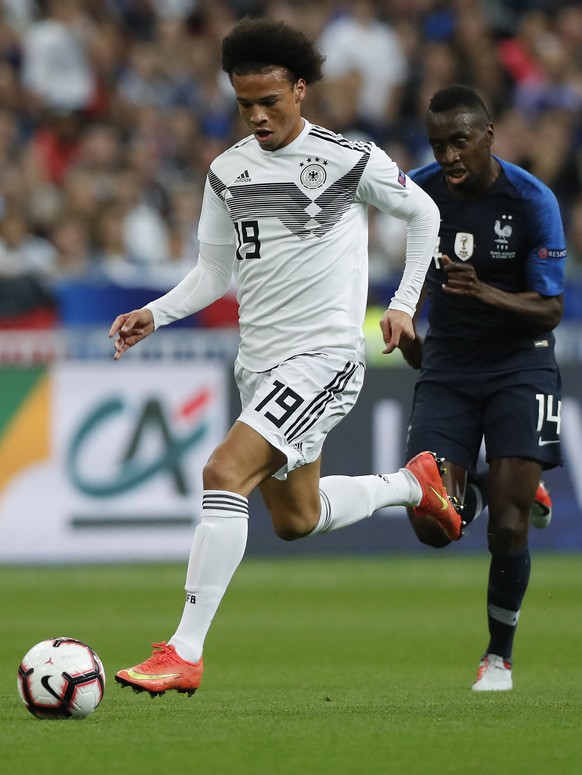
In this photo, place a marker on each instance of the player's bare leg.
(234, 468)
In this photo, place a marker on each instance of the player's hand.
(131, 328)
(397, 329)
(412, 351)
(462, 279)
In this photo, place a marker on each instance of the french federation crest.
(464, 245)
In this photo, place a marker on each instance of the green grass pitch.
(313, 666)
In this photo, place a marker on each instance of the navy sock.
(475, 496)
(508, 580)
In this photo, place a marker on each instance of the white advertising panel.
(103, 461)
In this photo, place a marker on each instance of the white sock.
(218, 547)
(348, 499)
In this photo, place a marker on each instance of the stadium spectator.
(552, 157)
(145, 231)
(21, 251)
(575, 237)
(181, 146)
(71, 237)
(111, 257)
(184, 211)
(57, 70)
(558, 84)
(9, 146)
(54, 146)
(26, 264)
(100, 151)
(365, 69)
(144, 80)
(517, 52)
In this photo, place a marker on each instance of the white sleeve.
(386, 187)
(207, 282)
(423, 220)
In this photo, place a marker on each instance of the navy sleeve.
(546, 261)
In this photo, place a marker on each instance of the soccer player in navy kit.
(487, 365)
(285, 209)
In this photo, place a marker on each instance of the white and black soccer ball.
(61, 678)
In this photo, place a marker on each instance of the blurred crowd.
(112, 110)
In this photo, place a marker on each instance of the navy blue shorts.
(517, 414)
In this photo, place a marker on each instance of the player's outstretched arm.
(131, 328)
(412, 349)
(397, 327)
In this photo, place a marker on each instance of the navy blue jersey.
(513, 236)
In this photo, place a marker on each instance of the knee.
(508, 528)
(428, 531)
(290, 532)
(507, 538)
(291, 526)
(219, 475)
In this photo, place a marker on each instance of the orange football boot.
(164, 670)
(541, 511)
(427, 469)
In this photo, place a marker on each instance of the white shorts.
(296, 404)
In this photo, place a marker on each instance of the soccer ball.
(61, 678)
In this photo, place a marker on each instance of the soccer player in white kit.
(286, 210)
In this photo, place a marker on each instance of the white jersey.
(294, 222)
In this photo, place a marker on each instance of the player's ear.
(489, 134)
(300, 89)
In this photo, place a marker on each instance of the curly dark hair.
(257, 45)
(458, 96)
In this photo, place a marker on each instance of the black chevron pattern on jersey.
(289, 204)
(216, 184)
(338, 197)
(317, 407)
(284, 201)
(332, 137)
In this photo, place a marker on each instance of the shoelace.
(164, 654)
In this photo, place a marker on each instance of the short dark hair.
(256, 45)
(458, 96)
